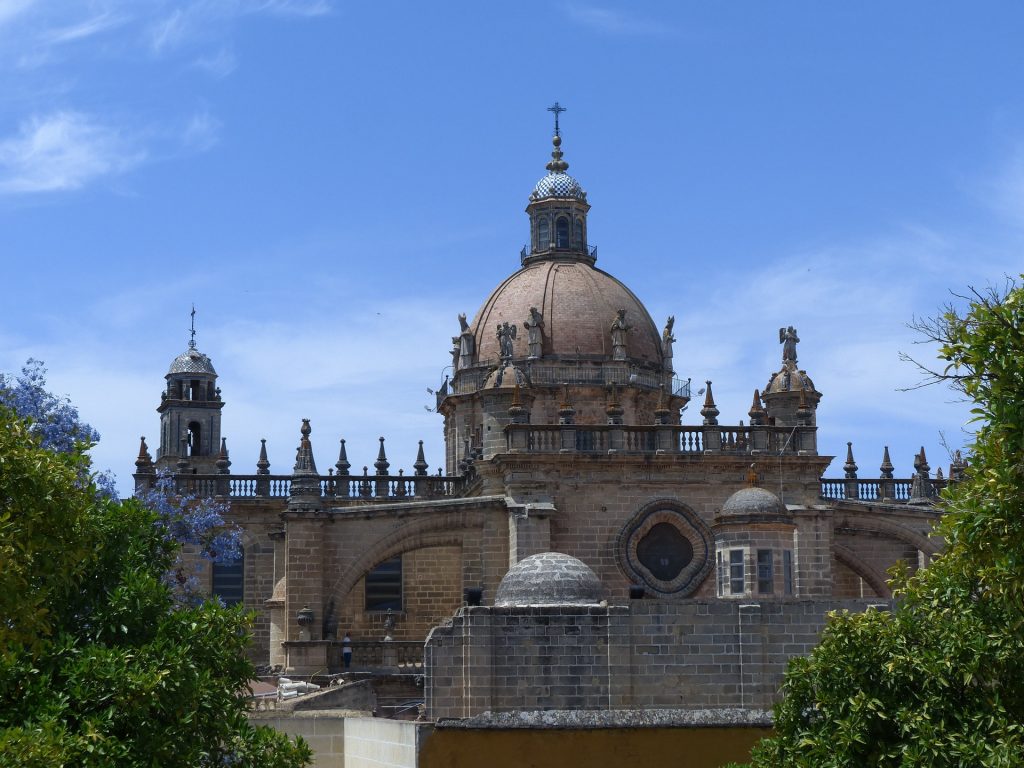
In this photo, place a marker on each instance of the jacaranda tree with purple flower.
(102, 663)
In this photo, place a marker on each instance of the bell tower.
(189, 411)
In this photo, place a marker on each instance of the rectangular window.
(736, 572)
(228, 582)
(765, 574)
(787, 571)
(384, 586)
(720, 573)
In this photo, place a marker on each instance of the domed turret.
(558, 211)
(790, 398)
(190, 411)
(754, 544)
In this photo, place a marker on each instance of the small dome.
(505, 376)
(192, 361)
(549, 578)
(558, 185)
(753, 501)
(789, 379)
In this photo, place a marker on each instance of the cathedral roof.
(192, 361)
(550, 578)
(578, 304)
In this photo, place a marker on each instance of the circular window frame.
(689, 525)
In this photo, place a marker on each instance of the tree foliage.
(99, 666)
(940, 681)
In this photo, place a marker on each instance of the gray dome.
(549, 578)
(192, 361)
(558, 185)
(753, 501)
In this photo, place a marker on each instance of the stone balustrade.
(887, 490)
(663, 438)
(340, 488)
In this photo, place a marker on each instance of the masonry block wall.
(431, 590)
(690, 654)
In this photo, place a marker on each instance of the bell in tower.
(190, 412)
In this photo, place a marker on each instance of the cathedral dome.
(549, 578)
(577, 303)
(192, 361)
(558, 185)
(753, 501)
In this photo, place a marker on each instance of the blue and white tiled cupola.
(558, 212)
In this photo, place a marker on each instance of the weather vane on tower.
(192, 341)
(557, 109)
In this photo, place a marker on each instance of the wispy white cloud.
(204, 21)
(614, 22)
(294, 7)
(63, 151)
(219, 64)
(84, 29)
(201, 132)
(168, 31)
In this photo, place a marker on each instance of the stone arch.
(859, 524)
(445, 530)
(875, 579)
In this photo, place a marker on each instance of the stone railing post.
(518, 437)
(712, 438)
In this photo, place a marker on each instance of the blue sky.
(331, 183)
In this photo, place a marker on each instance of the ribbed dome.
(578, 304)
(753, 501)
(550, 578)
(558, 185)
(192, 361)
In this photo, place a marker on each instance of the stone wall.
(431, 591)
(689, 654)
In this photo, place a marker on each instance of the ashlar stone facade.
(718, 548)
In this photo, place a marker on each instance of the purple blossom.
(53, 419)
(199, 525)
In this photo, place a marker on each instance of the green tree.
(940, 680)
(98, 667)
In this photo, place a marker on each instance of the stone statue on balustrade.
(618, 331)
(666, 342)
(465, 341)
(788, 339)
(534, 326)
(506, 335)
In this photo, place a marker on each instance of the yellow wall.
(598, 748)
